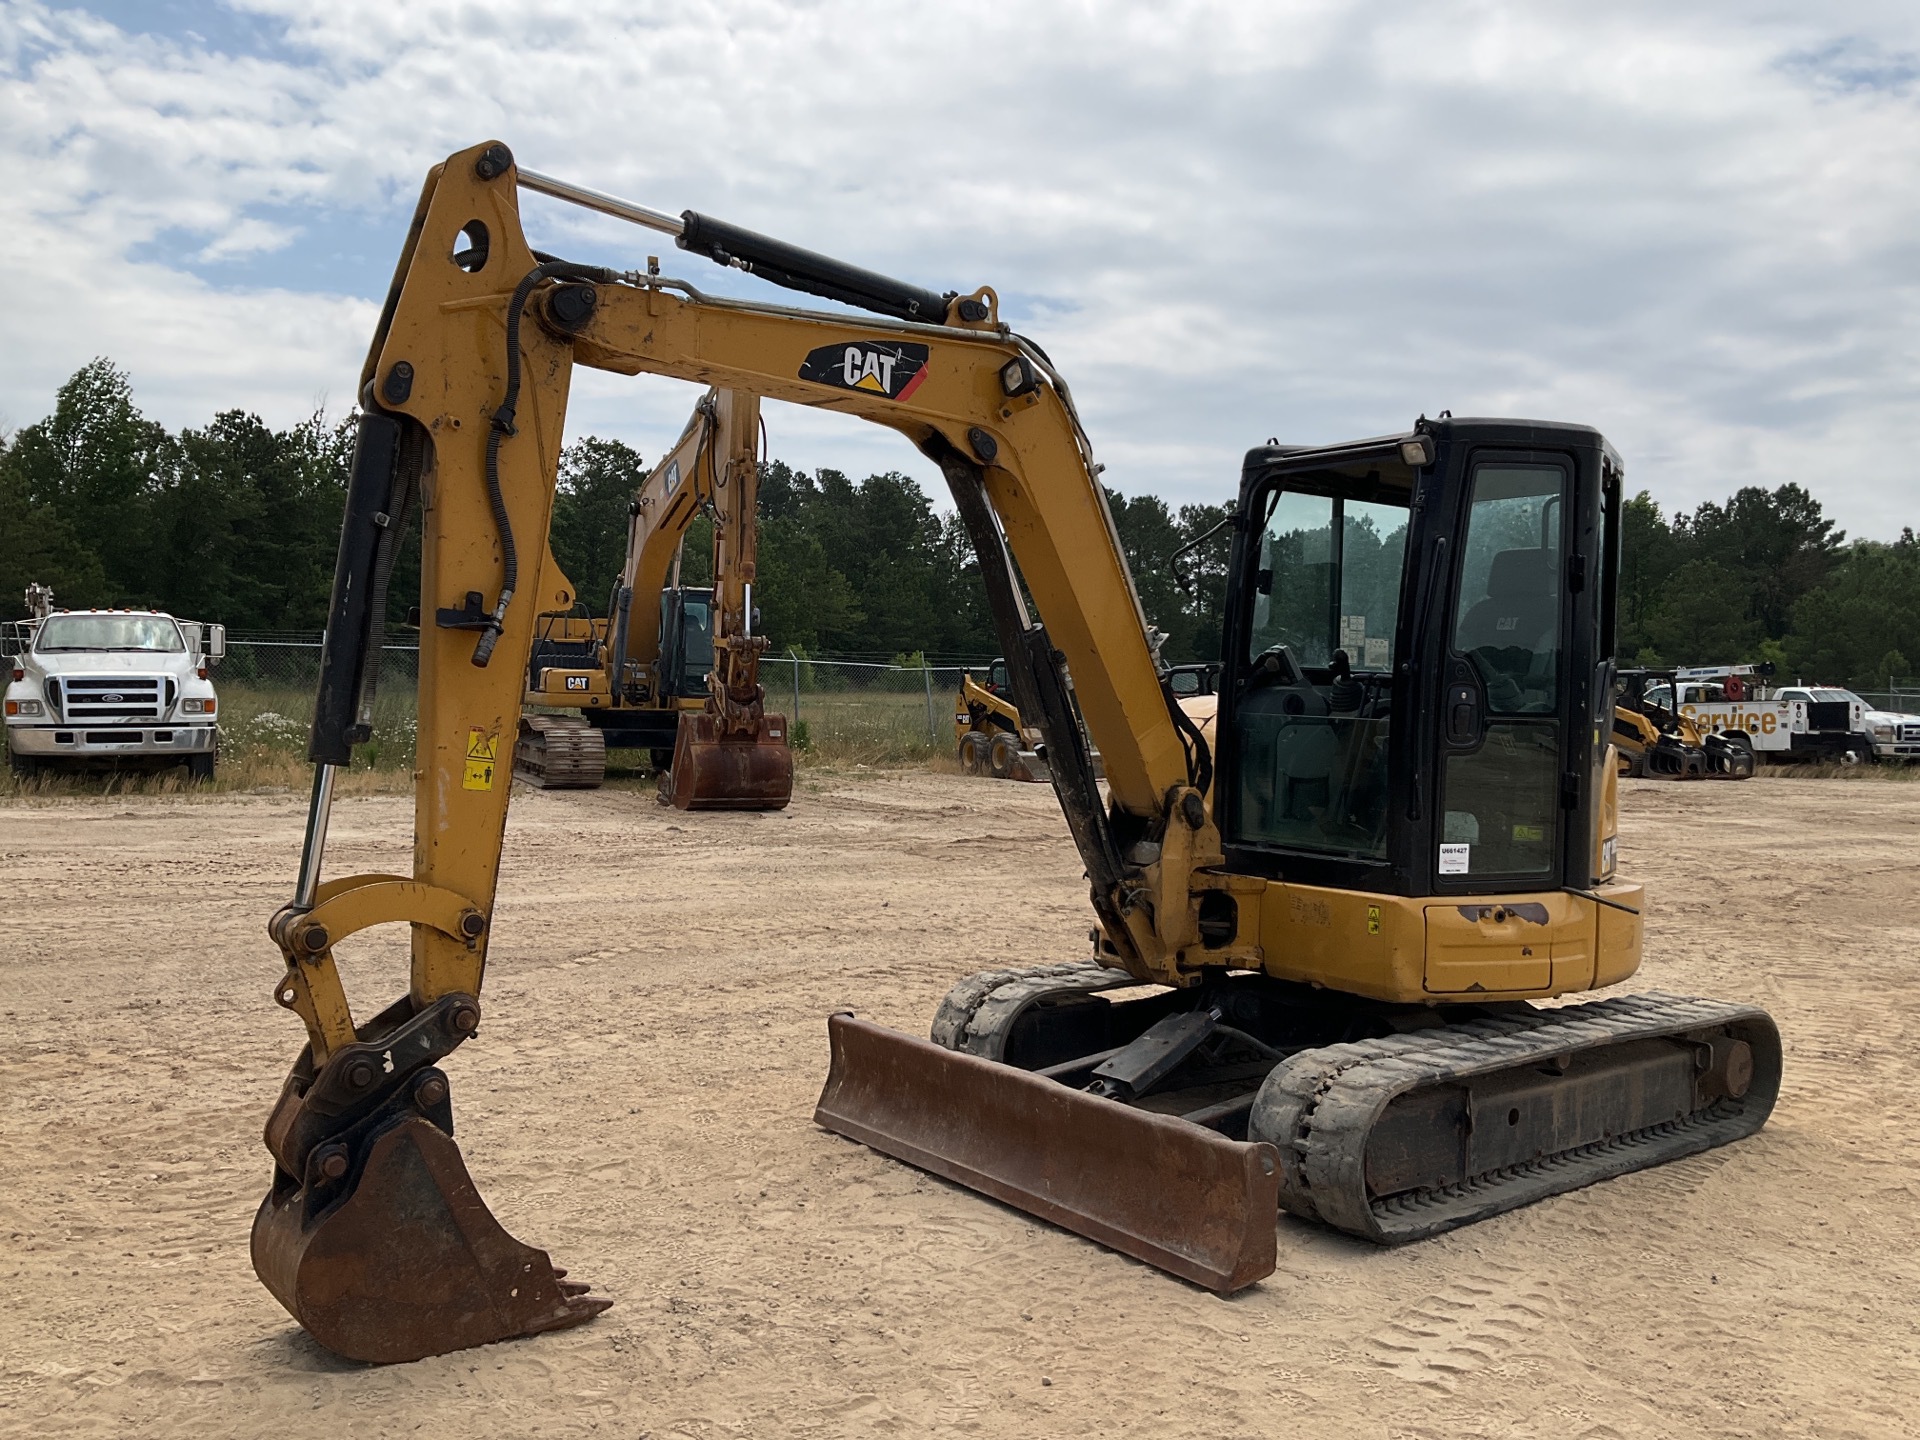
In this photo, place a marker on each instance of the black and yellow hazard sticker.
(1373, 919)
(893, 368)
(483, 752)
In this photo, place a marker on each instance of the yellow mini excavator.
(1314, 993)
(673, 669)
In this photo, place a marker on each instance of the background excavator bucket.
(731, 772)
(1180, 1197)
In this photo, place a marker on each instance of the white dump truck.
(121, 686)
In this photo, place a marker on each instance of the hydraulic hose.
(502, 426)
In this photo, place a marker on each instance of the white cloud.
(1691, 226)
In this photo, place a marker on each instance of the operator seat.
(1513, 633)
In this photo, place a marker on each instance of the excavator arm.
(372, 1235)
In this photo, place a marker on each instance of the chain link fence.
(846, 708)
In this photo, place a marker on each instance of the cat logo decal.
(879, 367)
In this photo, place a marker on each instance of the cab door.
(1526, 695)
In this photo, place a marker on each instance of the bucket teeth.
(401, 1258)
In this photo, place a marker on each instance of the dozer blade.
(1175, 1195)
(410, 1262)
(730, 772)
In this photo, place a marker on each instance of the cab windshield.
(155, 633)
(1313, 722)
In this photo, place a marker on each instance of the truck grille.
(1910, 734)
(114, 697)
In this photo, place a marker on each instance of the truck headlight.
(25, 707)
(197, 707)
(1882, 732)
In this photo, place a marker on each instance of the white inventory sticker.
(1453, 859)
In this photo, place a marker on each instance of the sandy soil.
(639, 1105)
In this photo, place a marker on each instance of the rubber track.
(557, 752)
(1319, 1107)
(978, 1014)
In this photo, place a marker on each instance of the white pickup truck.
(109, 686)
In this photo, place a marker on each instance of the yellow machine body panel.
(1406, 950)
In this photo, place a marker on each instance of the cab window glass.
(1508, 620)
(1502, 811)
(696, 654)
(1312, 735)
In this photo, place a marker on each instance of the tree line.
(238, 522)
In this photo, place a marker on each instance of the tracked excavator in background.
(672, 669)
(1314, 994)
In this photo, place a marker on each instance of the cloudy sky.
(1694, 226)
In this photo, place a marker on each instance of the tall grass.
(263, 745)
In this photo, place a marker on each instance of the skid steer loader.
(1314, 992)
(1658, 743)
(988, 736)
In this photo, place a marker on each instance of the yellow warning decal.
(1373, 919)
(482, 752)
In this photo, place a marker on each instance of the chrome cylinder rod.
(318, 809)
(605, 204)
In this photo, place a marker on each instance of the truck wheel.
(200, 767)
(24, 767)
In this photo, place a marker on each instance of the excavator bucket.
(712, 771)
(1173, 1194)
(373, 1235)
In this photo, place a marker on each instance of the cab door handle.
(1463, 714)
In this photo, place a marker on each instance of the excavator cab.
(686, 642)
(1456, 562)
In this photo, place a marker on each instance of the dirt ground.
(639, 1104)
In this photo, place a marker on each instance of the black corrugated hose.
(503, 426)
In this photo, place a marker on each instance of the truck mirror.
(216, 643)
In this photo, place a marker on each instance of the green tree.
(251, 520)
(597, 482)
(804, 602)
(1703, 619)
(1649, 554)
(97, 463)
(1865, 615)
(1778, 543)
(37, 544)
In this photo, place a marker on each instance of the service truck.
(1791, 722)
(109, 686)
